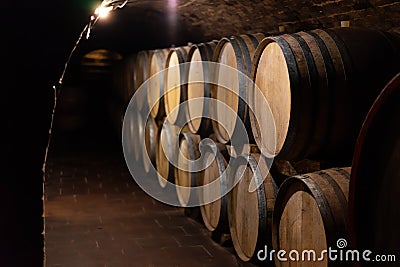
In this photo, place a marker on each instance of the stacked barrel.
(319, 86)
(374, 183)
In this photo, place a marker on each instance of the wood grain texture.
(155, 90)
(311, 214)
(167, 148)
(202, 52)
(214, 213)
(175, 84)
(150, 141)
(185, 176)
(235, 52)
(138, 135)
(141, 74)
(319, 87)
(250, 213)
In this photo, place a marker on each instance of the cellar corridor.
(279, 121)
(95, 214)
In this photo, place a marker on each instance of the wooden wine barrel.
(98, 63)
(175, 84)
(150, 141)
(168, 142)
(203, 52)
(185, 177)
(236, 52)
(138, 136)
(215, 213)
(132, 134)
(311, 214)
(141, 74)
(250, 213)
(375, 177)
(319, 86)
(155, 90)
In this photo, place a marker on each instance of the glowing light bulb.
(103, 11)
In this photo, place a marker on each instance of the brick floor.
(95, 215)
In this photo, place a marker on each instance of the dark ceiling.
(38, 35)
(50, 28)
(46, 30)
(149, 24)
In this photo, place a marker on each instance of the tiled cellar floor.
(95, 214)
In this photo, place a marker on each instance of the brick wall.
(229, 16)
(153, 23)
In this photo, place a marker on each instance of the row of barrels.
(304, 211)
(276, 215)
(320, 86)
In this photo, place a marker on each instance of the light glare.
(172, 4)
(103, 11)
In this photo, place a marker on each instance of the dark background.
(37, 37)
